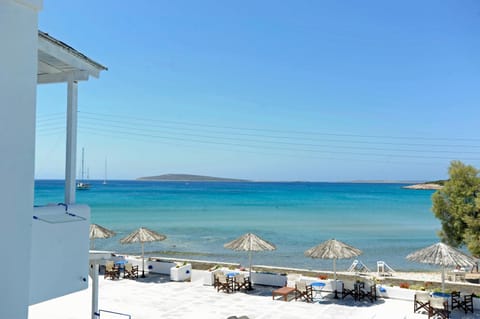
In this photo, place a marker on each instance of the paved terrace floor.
(157, 297)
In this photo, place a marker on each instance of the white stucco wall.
(59, 254)
(18, 77)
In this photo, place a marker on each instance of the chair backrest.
(301, 285)
(292, 279)
(468, 299)
(349, 285)
(128, 267)
(221, 278)
(239, 277)
(437, 302)
(422, 296)
(109, 265)
(368, 285)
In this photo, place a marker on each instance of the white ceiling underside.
(59, 62)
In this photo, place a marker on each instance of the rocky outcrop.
(427, 186)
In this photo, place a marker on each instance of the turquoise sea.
(383, 220)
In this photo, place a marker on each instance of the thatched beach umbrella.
(99, 232)
(250, 242)
(441, 254)
(143, 235)
(333, 249)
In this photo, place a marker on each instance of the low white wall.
(60, 252)
(159, 267)
(395, 292)
(269, 279)
(181, 273)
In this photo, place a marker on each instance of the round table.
(317, 288)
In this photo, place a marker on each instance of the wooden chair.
(421, 301)
(369, 292)
(242, 282)
(465, 303)
(456, 300)
(303, 291)
(214, 274)
(348, 289)
(223, 283)
(111, 271)
(130, 271)
(438, 308)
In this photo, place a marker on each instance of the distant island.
(434, 185)
(188, 178)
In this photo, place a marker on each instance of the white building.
(45, 249)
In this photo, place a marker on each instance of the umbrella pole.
(335, 277)
(443, 278)
(250, 268)
(143, 263)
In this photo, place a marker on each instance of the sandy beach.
(157, 297)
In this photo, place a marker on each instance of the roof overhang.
(59, 62)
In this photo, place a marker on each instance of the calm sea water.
(383, 220)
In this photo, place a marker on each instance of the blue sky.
(268, 90)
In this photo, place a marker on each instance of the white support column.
(71, 149)
(94, 273)
(18, 77)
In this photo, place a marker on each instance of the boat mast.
(83, 162)
(105, 178)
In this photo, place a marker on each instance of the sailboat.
(82, 185)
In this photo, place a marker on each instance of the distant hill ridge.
(188, 178)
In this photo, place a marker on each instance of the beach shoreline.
(431, 279)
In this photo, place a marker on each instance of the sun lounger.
(383, 269)
(358, 267)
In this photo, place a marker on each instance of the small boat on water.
(82, 185)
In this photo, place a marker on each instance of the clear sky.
(268, 90)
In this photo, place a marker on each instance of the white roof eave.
(59, 62)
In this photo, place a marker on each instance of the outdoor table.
(284, 291)
(121, 265)
(231, 274)
(317, 288)
(444, 295)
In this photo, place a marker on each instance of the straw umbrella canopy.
(441, 254)
(333, 249)
(99, 232)
(250, 242)
(143, 235)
